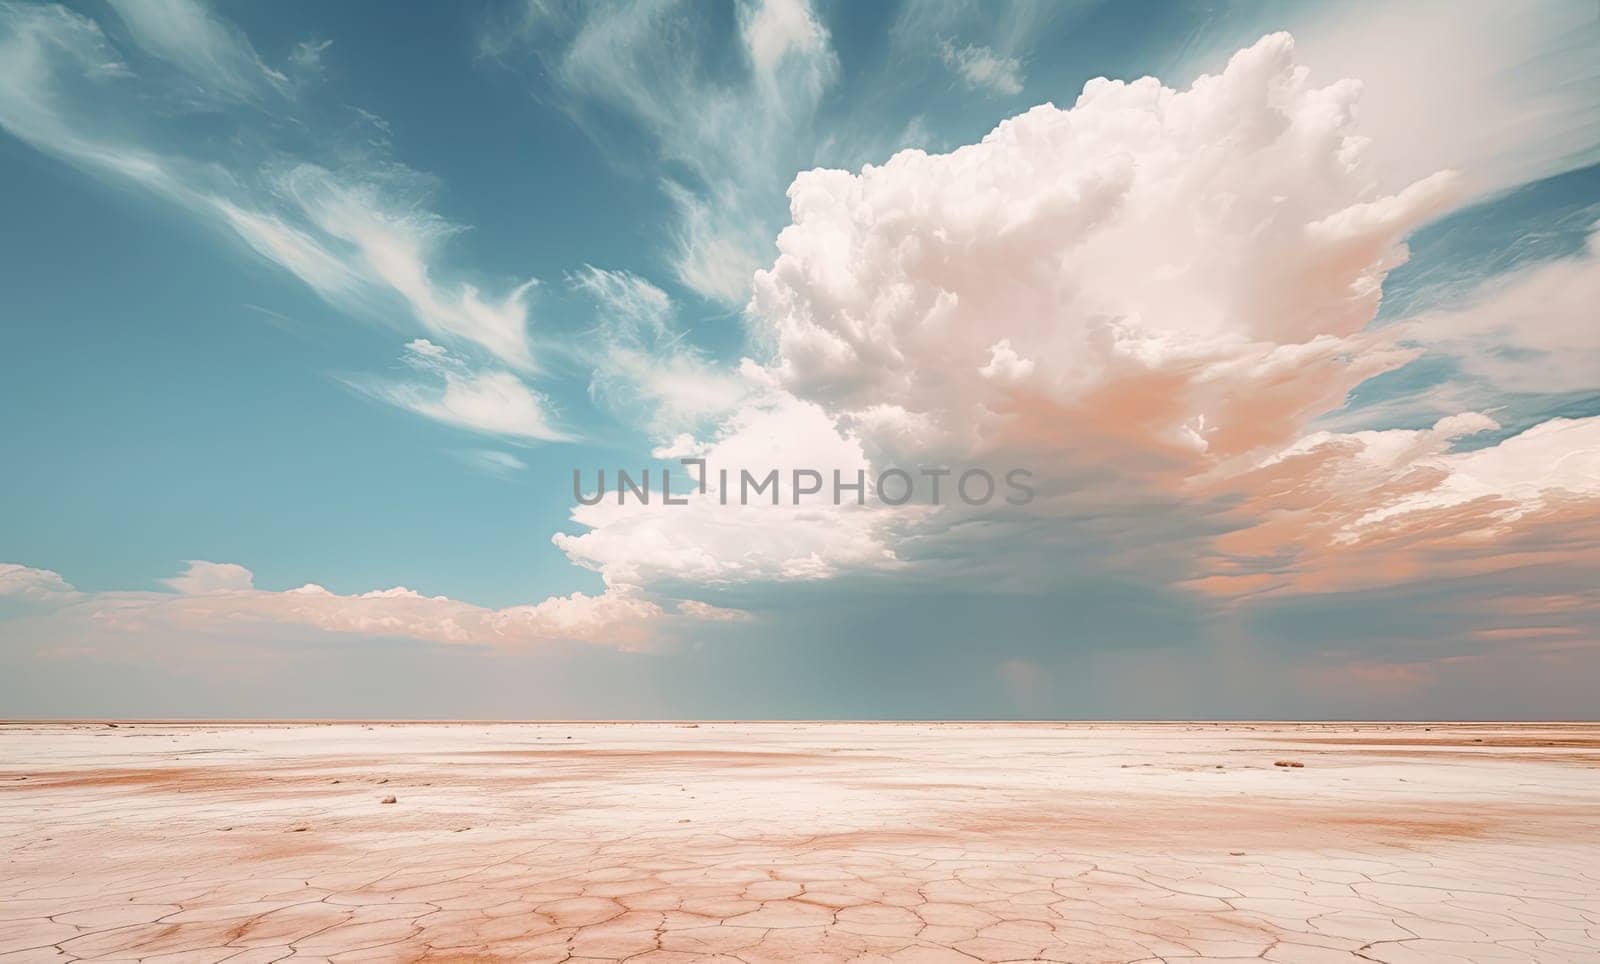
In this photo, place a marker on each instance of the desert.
(652, 842)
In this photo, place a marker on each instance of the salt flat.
(817, 841)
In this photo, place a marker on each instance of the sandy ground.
(779, 841)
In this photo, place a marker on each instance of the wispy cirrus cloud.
(987, 54)
(644, 368)
(1504, 93)
(359, 234)
(214, 53)
(728, 138)
(729, 118)
(982, 69)
(1530, 330)
(446, 388)
(493, 462)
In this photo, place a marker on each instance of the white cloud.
(493, 462)
(1532, 330)
(292, 248)
(35, 585)
(213, 598)
(708, 542)
(361, 237)
(695, 609)
(203, 578)
(1145, 299)
(1505, 93)
(774, 30)
(307, 55)
(189, 36)
(1147, 262)
(1157, 287)
(643, 365)
(730, 141)
(447, 389)
(982, 69)
(396, 241)
(1341, 511)
(987, 54)
(628, 301)
(1552, 461)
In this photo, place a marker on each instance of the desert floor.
(817, 841)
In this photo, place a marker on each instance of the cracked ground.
(755, 842)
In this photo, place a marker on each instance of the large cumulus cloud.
(1208, 258)
(1148, 298)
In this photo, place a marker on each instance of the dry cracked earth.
(733, 842)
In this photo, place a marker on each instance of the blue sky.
(341, 295)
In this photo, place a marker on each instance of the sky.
(320, 321)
